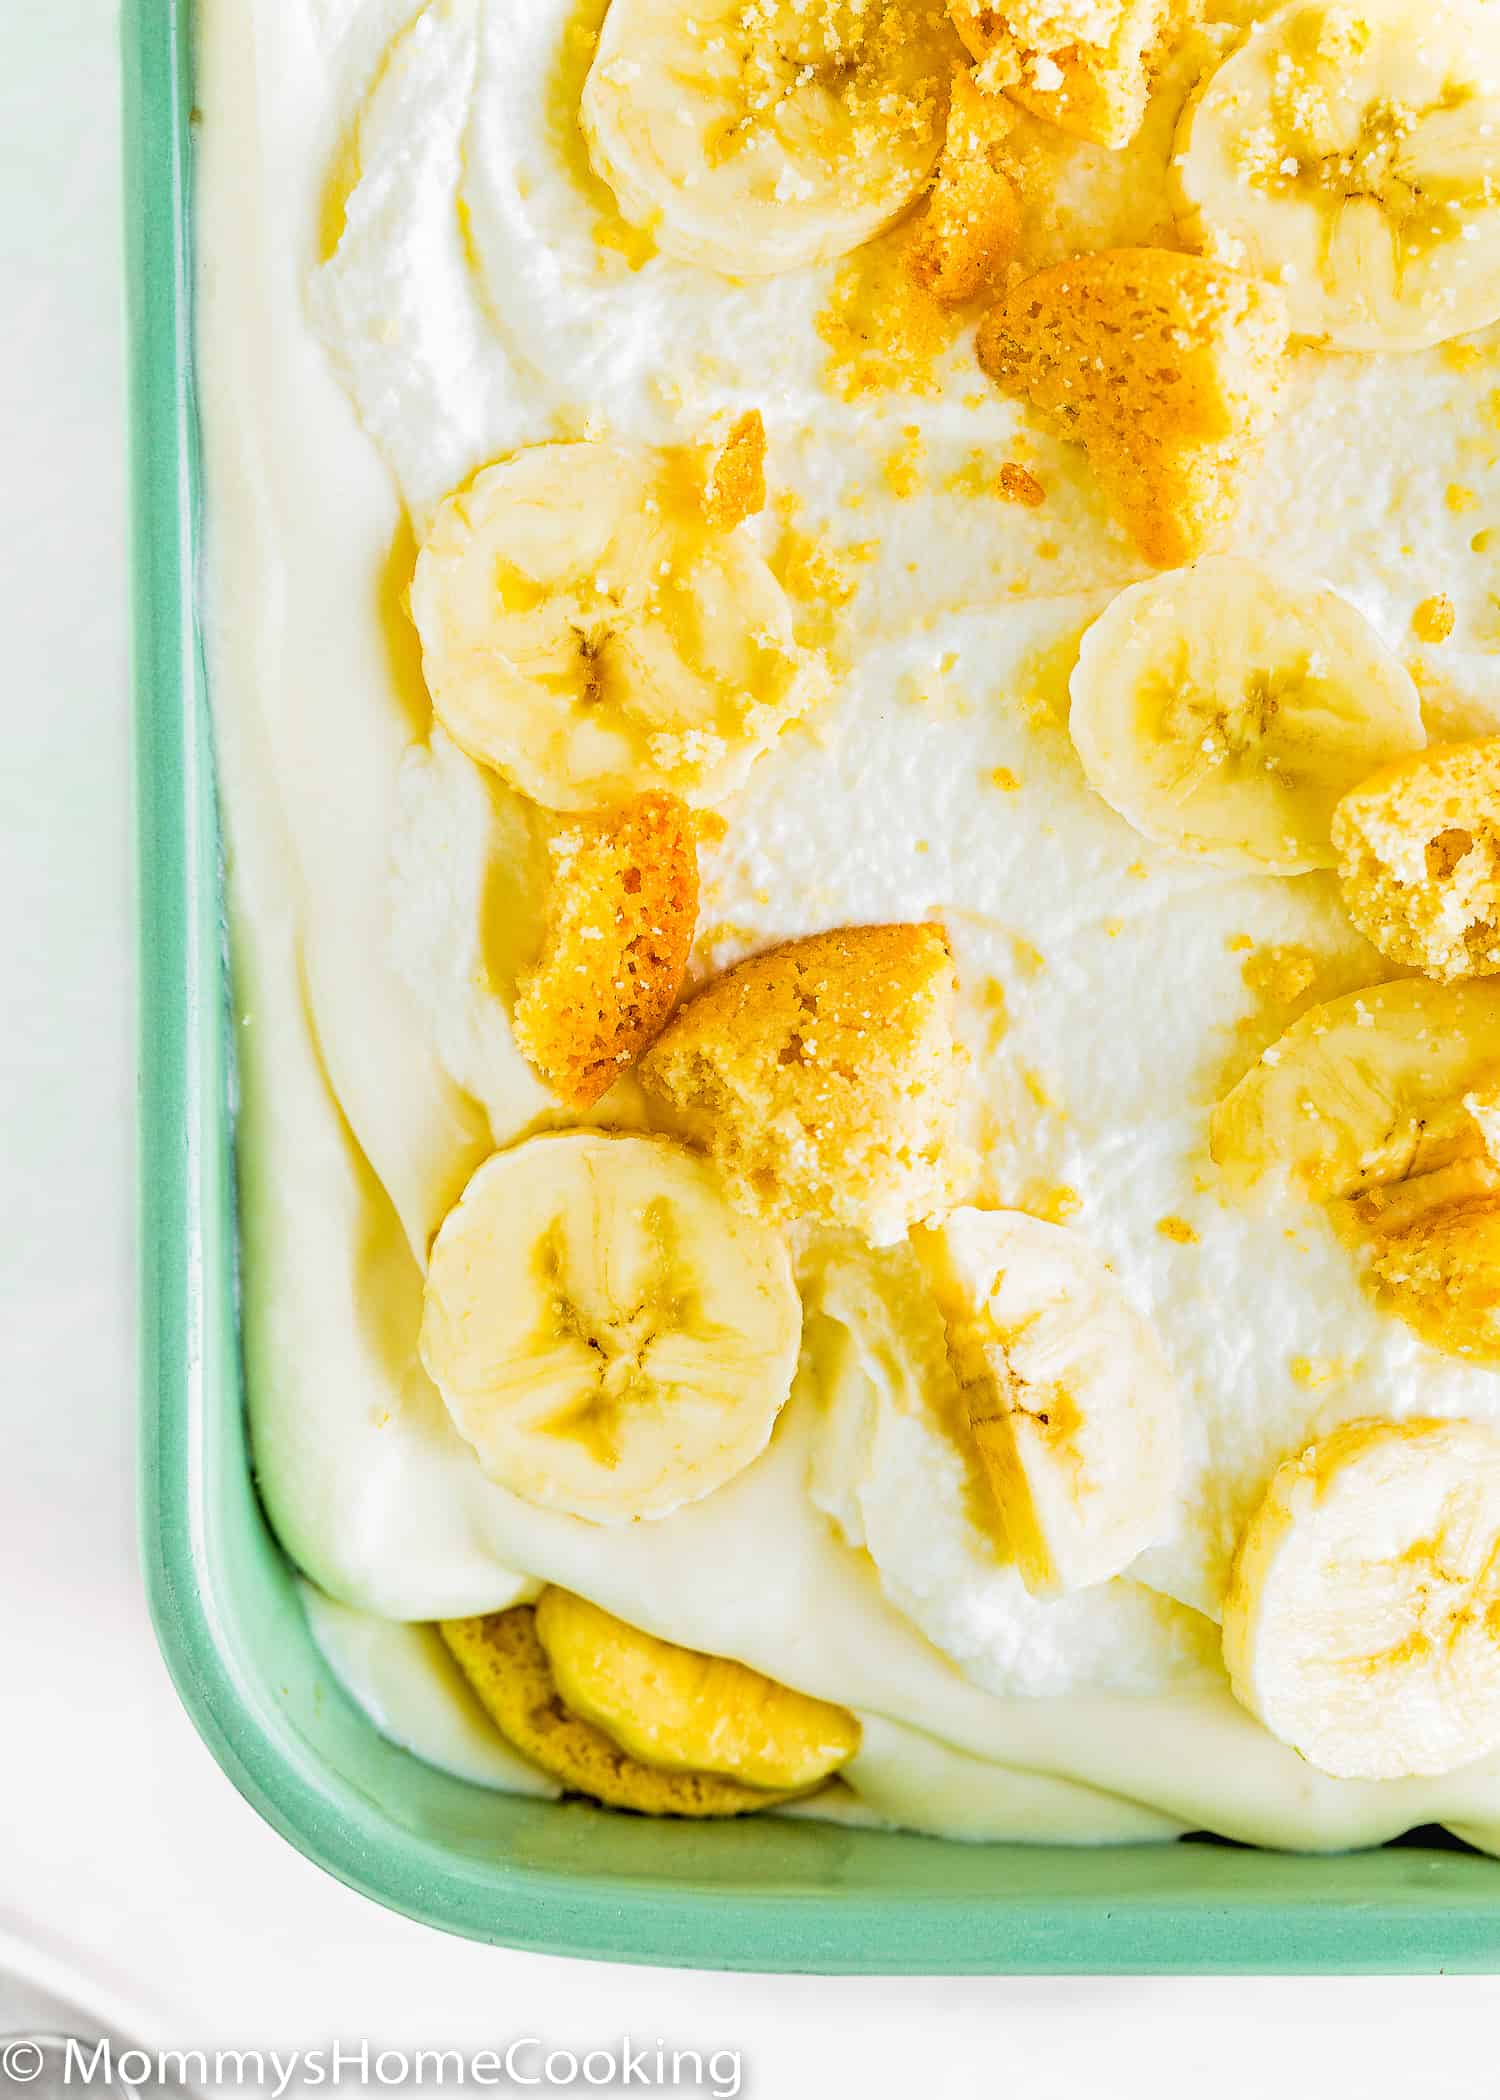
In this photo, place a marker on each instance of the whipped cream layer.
(406, 269)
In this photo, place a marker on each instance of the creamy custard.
(406, 269)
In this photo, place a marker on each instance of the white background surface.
(122, 1848)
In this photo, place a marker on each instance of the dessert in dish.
(856, 680)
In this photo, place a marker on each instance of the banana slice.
(589, 632)
(508, 1669)
(611, 1337)
(684, 1712)
(752, 136)
(1069, 1397)
(1362, 1617)
(1365, 1091)
(1223, 710)
(1349, 150)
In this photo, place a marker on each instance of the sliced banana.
(1365, 1091)
(1350, 150)
(590, 633)
(607, 1332)
(1224, 710)
(1362, 1623)
(1069, 1397)
(507, 1667)
(684, 1712)
(753, 136)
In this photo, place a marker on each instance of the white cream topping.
(471, 306)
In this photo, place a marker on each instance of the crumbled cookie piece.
(972, 222)
(1419, 859)
(1441, 1275)
(1084, 65)
(621, 913)
(503, 1659)
(1163, 366)
(1017, 486)
(902, 470)
(1280, 973)
(823, 1077)
(736, 485)
(1433, 619)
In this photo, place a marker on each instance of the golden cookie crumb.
(1419, 859)
(1163, 366)
(1017, 486)
(1280, 973)
(736, 487)
(1462, 357)
(710, 827)
(1084, 65)
(971, 226)
(620, 919)
(902, 471)
(814, 571)
(974, 477)
(823, 1077)
(1433, 619)
(885, 332)
(1178, 1230)
(1460, 498)
(1441, 1275)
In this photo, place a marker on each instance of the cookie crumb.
(1165, 367)
(1433, 619)
(1280, 973)
(736, 487)
(972, 223)
(620, 919)
(1017, 486)
(903, 468)
(825, 1074)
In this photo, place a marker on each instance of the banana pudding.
(862, 893)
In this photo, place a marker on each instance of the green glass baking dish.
(567, 1878)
